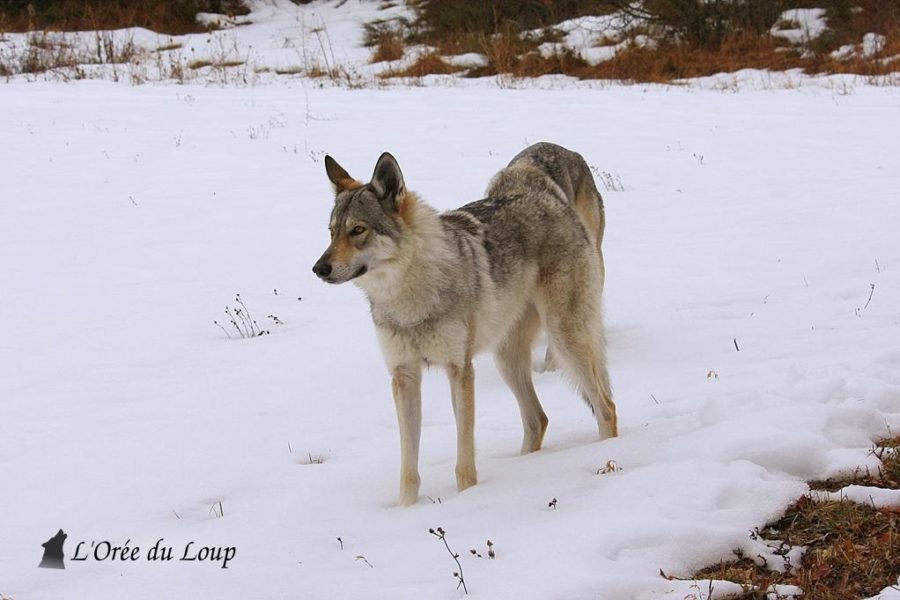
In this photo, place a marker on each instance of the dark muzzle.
(322, 268)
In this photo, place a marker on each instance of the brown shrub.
(668, 62)
(389, 46)
(443, 18)
(163, 16)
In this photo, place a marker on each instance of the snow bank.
(800, 25)
(862, 494)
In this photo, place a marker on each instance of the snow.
(784, 592)
(774, 554)
(872, 44)
(469, 59)
(810, 24)
(862, 494)
(749, 352)
(888, 593)
(278, 36)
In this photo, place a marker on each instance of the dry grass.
(428, 64)
(884, 62)
(199, 64)
(533, 64)
(669, 62)
(853, 550)
(389, 46)
(43, 52)
(663, 64)
(849, 21)
(488, 29)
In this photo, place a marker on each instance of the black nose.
(322, 269)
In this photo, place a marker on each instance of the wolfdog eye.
(358, 230)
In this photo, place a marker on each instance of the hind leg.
(584, 359)
(513, 359)
(574, 322)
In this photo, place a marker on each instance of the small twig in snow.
(871, 291)
(216, 323)
(440, 534)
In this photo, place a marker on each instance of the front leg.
(462, 390)
(407, 387)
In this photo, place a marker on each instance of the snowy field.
(131, 216)
(752, 305)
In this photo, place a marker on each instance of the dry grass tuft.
(199, 64)
(389, 46)
(431, 63)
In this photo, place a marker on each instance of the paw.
(534, 435)
(608, 429)
(465, 478)
(531, 444)
(408, 497)
(409, 490)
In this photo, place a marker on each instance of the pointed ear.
(388, 180)
(340, 179)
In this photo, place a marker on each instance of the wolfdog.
(486, 276)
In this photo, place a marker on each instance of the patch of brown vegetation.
(849, 21)
(431, 63)
(509, 54)
(672, 61)
(389, 45)
(882, 63)
(853, 550)
(199, 64)
(494, 29)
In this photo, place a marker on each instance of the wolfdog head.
(366, 223)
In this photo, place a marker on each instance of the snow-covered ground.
(278, 40)
(131, 216)
(753, 310)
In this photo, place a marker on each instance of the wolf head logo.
(53, 552)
